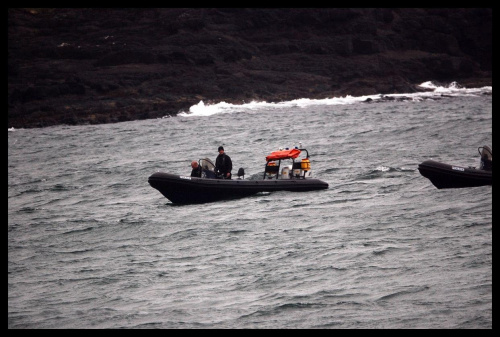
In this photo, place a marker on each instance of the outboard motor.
(241, 173)
(486, 162)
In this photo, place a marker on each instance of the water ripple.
(92, 245)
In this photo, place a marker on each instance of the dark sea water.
(92, 245)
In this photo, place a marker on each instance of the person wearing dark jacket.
(196, 171)
(223, 164)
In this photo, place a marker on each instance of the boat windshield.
(485, 150)
(207, 164)
(208, 168)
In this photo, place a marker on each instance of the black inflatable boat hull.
(451, 176)
(192, 190)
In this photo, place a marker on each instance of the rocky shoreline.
(91, 66)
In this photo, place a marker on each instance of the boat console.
(298, 169)
(486, 162)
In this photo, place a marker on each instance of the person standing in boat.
(196, 171)
(223, 164)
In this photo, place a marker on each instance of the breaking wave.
(432, 91)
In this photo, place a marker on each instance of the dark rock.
(105, 65)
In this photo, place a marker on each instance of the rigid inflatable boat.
(278, 176)
(444, 175)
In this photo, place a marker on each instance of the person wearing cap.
(223, 164)
(196, 171)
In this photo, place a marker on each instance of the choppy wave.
(433, 91)
(92, 245)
